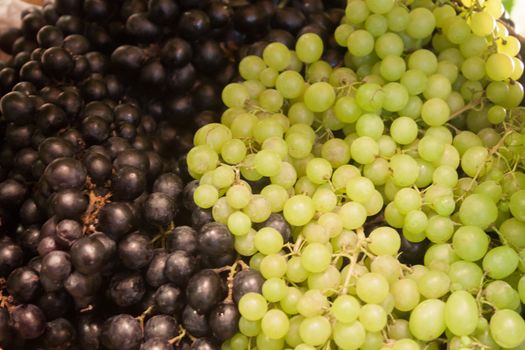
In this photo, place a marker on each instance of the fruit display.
(262, 175)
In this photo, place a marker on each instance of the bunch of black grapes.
(101, 245)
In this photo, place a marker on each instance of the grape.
(252, 306)
(315, 330)
(427, 320)
(349, 336)
(507, 328)
(275, 324)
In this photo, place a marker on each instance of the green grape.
(293, 338)
(427, 320)
(397, 18)
(473, 68)
(290, 84)
(430, 148)
(421, 23)
(521, 289)
(347, 110)
(223, 176)
(353, 215)
(289, 302)
(295, 272)
(449, 71)
(264, 342)
(239, 342)
(474, 161)
(373, 341)
(372, 317)
(370, 125)
(205, 196)
(315, 257)
(342, 174)
(345, 308)
(298, 113)
(251, 66)
(364, 149)
(273, 266)
(238, 196)
(511, 230)
(256, 259)
(202, 159)
(327, 281)
(318, 71)
(380, 6)
(360, 43)
(439, 229)
(349, 336)
(235, 95)
(221, 211)
(277, 145)
(404, 130)
(239, 223)
(517, 205)
(319, 96)
(299, 210)
(499, 66)
(423, 60)
(406, 344)
(324, 198)
(465, 276)
(356, 12)
(267, 128)
(413, 107)
(440, 256)
(299, 145)
(438, 86)
(389, 44)
(255, 87)
(445, 175)
(268, 77)
(336, 151)
(396, 97)
(376, 24)
(507, 328)
(478, 210)
(370, 97)
(268, 241)
(405, 170)
(406, 294)
(270, 100)
(470, 243)
(392, 68)
(267, 163)
(315, 330)
(426, 170)
(245, 245)
(287, 176)
(456, 29)
(341, 34)
(319, 170)
(277, 56)
(312, 303)
(242, 125)
(258, 209)
(434, 284)
(305, 186)
(435, 112)
(359, 189)
(252, 306)
(501, 295)
(378, 171)
(309, 47)
(372, 288)
(384, 241)
(500, 262)
(233, 151)
(276, 196)
(473, 46)
(275, 324)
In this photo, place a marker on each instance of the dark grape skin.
(176, 52)
(204, 290)
(196, 324)
(128, 183)
(204, 344)
(412, 253)
(158, 209)
(5, 330)
(56, 266)
(69, 204)
(11, 257)
(23, 284)
(162, 327)
(12, 193)
(182, 238)
(246, 281)
(126, 289)
(121, 332)
(16, 107)
(215, 240)
(163, 11)
(116, 219)
(89, 329)
(156, 344)
(167, 299)
(224, 321)
(155, 273)
(277, 222)
(64, 173)
(88, 255)
(54, 304)
(179, 267)
(135, 251)
(59, 333)
(67, 232)
(28, 321)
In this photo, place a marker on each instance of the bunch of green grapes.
(420, 134)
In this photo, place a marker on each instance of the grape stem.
(466, 107)
(143, 316)
(96, 203)
(176, 340)
(353, 259)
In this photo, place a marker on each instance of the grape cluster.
(383, 200)
(101, 243)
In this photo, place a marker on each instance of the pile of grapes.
(265, 175)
